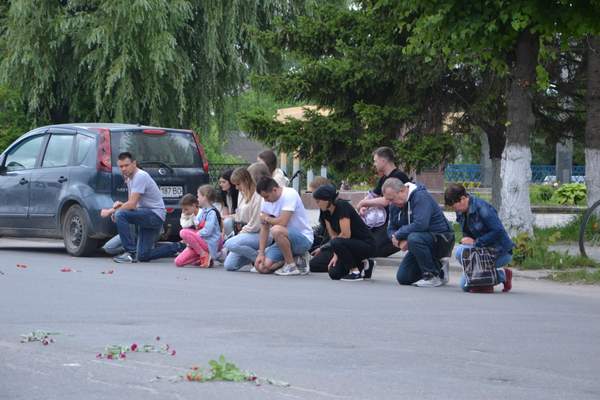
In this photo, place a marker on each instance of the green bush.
(570, 194)
(541, 194)
(533, 253)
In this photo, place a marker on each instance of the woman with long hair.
(243, 247)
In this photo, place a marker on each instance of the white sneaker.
(253, 269)
(445, 270)
(431, 281)
(288, 270)
(303, 263)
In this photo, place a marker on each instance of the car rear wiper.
(162, 164)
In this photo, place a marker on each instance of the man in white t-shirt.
(283, 216)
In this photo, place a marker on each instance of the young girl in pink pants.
(204, 237)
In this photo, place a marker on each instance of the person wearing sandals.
(417, 225)
(243, 247)
(351, 240)
(284, 218)
(481, 227)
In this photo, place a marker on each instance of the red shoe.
(507, 280)
(205, 261)
(482, 289)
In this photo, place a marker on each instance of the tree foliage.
(350, 62)
(164, 62)
(13, 118)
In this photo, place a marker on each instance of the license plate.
(171, 191)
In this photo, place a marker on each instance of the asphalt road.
(329, 340)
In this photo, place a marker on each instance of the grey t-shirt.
(150, 195)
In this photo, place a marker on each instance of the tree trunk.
(515, 209)
(497, 140)
(485, 161)
(496, 182)
(592, 123)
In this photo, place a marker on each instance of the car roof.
(112, 126)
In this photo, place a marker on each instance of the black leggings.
(350, 254)
(384, 245)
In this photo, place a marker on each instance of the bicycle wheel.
(589, 232)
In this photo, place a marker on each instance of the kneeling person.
(417, 224)
(481, 227)
(284, 217)
(351, 242)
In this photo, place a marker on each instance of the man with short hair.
(385, 164)
(284, 217)
(144, 209)
(417, 224)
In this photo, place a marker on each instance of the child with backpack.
(205, 237)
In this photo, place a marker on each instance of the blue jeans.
(501, 261)
(242, 249)
(114, 247)
(298, 242)
(419, 259)
(148, 226)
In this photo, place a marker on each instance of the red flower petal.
(122, 355)
(21, 266)
(173, 352)
(109, 356)
(66, 269)
(99, 355)
(134, 347)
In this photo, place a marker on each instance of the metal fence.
(539, 173)
(215, 170)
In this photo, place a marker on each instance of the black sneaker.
(368, 267)
(353, 277)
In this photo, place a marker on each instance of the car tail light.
(104, 162)
(170, 210)
(201, 152)
(154, 131)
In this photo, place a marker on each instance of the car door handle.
(62, 179)
(23, 181)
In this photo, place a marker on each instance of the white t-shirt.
(290, 201)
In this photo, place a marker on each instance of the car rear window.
(176, 149)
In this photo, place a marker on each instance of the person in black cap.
(351, 240)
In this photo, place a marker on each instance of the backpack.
(479, 265)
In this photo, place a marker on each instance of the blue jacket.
(421, 213)
(485, 226)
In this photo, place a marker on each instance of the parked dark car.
(55, 179)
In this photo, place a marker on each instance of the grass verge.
(585, 276)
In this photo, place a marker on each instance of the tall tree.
(505, 35)
(167, 62)
(350, 62)
(592, 127)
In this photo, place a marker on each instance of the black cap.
(325, 192)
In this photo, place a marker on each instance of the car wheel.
(75, 233)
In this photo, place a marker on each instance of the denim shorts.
(300, 245)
